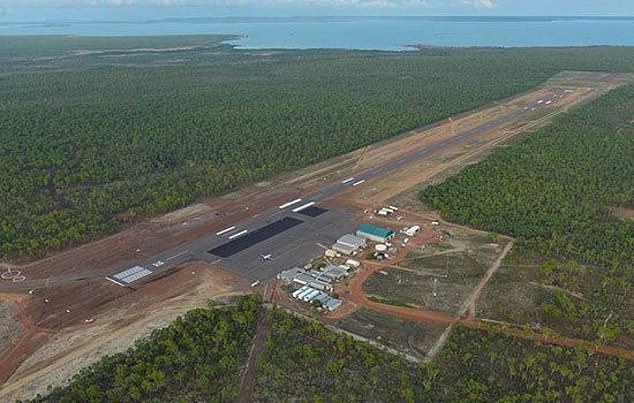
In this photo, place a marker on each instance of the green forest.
(197, 358)
(201, 356)
(555, 190)
(96, 133)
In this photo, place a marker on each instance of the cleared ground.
(71, 298)
(409, 337)
(559, 297)
(44, 357)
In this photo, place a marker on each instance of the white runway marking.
(283, 206)
(177, 255)
(305, 206)
(238, 234)
(115, 281)
(347, 180)
(224, 231)
(358, 183)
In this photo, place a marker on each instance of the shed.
(306, 291)
(288, 276)
(332, 304)
(308, 297)
(301, 277)
(334, 272)
(296, 293)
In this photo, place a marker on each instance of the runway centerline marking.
(347, 180)
(177, 255)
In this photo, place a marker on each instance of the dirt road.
(249, 376)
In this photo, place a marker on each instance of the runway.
(293, 231)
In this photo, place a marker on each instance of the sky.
(146, 8)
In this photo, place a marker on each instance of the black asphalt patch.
(255, 237)
(313, 211)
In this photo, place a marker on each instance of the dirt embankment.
(115, 328)
(10, 328)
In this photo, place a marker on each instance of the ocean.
(379, 33)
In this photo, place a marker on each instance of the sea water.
(381, 33)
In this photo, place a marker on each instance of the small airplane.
(266, 257)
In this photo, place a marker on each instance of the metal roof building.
(334, 272)
(345, 249)
(332, 303)
(299, 276)
(352, 240)
(308, 294)
(374, 233)
(348, 244)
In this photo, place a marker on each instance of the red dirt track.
(357, 297)
(69, 290)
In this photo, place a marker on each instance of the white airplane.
(266, 257)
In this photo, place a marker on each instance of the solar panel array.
(132, 274)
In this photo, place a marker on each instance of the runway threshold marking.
(359, 182)
(224, 231)
(347, 180)
(305, 206)
(238, 234)
(290, 203)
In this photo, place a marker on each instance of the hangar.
(349, 244)
(374, 233)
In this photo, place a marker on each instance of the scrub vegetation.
(555, 191)
(199, 358)
(96, 133)
(196, 358)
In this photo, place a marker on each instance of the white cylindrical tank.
(380, 247)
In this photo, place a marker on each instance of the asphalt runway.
(239, 248)
(253, 238)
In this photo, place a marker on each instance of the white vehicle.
(383, 213)
(353, 263)
(158, 263)
(549, 102)
(412, 230)
(541, 101)
(266, 257)
(255, 284)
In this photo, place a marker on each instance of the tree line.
(89, 144)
